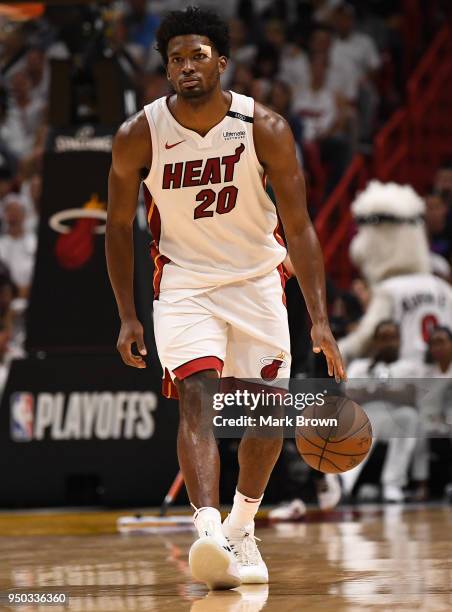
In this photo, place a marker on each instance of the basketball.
(337, 446)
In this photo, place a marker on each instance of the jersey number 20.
(226, 199)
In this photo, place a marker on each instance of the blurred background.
(367, 90)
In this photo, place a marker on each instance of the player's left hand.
(323, 341)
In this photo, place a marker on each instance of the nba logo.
(22, 417)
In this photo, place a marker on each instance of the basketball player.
(218, 308)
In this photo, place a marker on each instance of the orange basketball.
(334, 447)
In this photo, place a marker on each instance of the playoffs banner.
(85, 430)
(71, 303)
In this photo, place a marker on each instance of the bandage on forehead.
(207, 49)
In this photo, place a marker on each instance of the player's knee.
(195, 389)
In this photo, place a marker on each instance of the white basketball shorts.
(239, 329)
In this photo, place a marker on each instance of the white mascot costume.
(392, 252)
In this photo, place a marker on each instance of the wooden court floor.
(380, 559)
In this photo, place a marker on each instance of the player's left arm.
(275, 148)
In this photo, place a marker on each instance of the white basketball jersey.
(420, 301)
(211, 219)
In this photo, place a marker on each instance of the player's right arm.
(131, 152)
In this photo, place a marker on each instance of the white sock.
(206, 515)
(243, 510)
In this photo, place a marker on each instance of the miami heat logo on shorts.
(272, 364)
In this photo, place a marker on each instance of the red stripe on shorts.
(193, 366)
(198, 365)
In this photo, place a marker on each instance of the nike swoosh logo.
(250, 501)
(168, 146)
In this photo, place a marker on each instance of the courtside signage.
(82, 416)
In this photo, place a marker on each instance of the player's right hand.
(131, 332)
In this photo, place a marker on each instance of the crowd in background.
(348, 307)
(335, 70)
(24, 83)
(409, 422)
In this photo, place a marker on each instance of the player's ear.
(222, 63)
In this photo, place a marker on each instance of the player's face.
(194, 66)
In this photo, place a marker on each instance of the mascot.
(392, 253)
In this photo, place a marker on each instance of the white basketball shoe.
(329, 492)
(211, 559)
(288, 511)
(242, 541)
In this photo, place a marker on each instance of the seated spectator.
(436, 409)
(24, 117)
(242, 79)
(259, 89)
(293, 63)
(323, 10)
(440, 353)
(266, 66)
(443, 184)
(316, 104)
(390, 408)
(359, 50)
(341, 79)
(280, 100)
(341, 76)
(133, 58)
(439, 241)
(353, 46)
(436, 225)
(13, 48)
(141, 25)
(443, 187)
(323, 123)
(241, 51)
(17, 247)
(38, 71)
(385, 25)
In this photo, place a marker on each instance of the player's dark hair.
(383, 323)
(193, 20)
